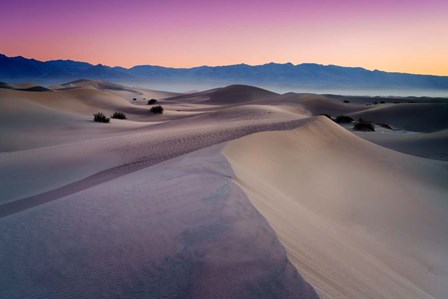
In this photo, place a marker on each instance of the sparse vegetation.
(156, 109)
(100, 118)
(343, 119)
(386, 126)
(346, 101)
(119, 115)
(152, 101)
(134, 99)
(382, 102)
(364, 125)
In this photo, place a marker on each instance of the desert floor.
(235, 192)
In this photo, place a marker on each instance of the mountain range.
(306, 76)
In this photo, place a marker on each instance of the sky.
(391, 35)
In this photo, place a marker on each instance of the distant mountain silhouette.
(306, 75)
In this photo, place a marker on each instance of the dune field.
(234, 192)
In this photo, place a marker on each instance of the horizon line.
(225, 65)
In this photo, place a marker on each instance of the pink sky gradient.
(405, 36)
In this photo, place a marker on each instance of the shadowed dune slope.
(428, 145)
(358, 220)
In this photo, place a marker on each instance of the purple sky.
(408, 36)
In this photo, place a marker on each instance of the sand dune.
(27, 117)
(148, 207)
(82, 101)
(26, 125)
(149, 234)
(357, 220)
(239, 94)
(99, 84)
(126, 92)
(318, 104)
(40, 119)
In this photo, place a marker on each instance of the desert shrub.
(156, 109)
(346, 101)
(134, 99)
(386, 126)
(100, 118)
(152, 101)
(375, 103)
(343, 119)
(364, 125)
(382, 102)
(119, 115)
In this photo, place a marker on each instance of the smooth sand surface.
(357, 220)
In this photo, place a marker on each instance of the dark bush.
(119, 115)
(364, 125)
(375, 103)
(152, 101)
(382, 102)
(100, 118)
(386, 126)
(346, 101)
(134, 99)
(156, 109)
(343, 119)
